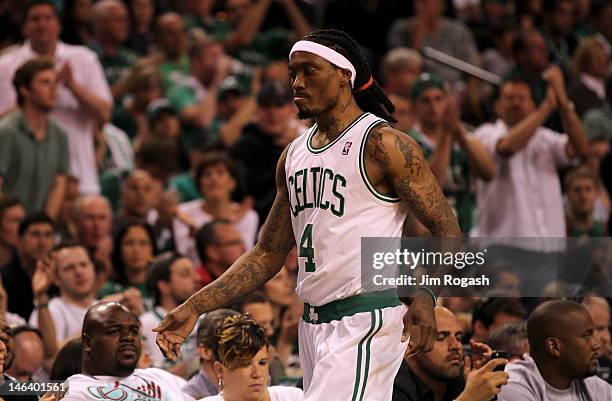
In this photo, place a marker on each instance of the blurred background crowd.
(139, 140)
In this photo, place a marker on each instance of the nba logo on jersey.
(347, 147)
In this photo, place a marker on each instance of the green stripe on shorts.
(367, 366)
(368, 338)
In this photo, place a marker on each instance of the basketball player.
(349, 176)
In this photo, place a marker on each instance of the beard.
(305, 114)
(440, 372)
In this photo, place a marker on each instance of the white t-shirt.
(277, 393)
(68, 112)
(185, 245)
(525, 383)
(144, 384)
(524, 199)
(67, 318)
(149, 320)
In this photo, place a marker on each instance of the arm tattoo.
(405, 168)
(261, 263)
(419, 187)
(376, 149)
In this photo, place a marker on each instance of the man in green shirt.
(254, 46)
(453, 155)
(34, 155)
(194, 98)
(171, 38)
(111, 25)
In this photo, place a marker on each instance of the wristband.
(433, 296)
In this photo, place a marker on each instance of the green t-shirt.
(110, 186)
(269, 45)
(112, 287)
(186, 92)
(185, 187)
(457, 188)
(597, 230)
(213, 27)
(123, 120)
(28, 166)
(117, 66)
(171, 72)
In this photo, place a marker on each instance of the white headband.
(325, 52)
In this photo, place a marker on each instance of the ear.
(219, 369)
(86, 340)
(345, 78)
(553, 346)
(23, 91)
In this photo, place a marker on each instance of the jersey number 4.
(306, 249)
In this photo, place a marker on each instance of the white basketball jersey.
(333, 206)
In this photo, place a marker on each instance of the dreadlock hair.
(371, 99)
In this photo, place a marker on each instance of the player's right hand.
(420, 326)
(175, 328)
(484, 383)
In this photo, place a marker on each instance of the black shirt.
(258, 156)
(18, 285)
(408, 387)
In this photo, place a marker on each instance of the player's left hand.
(420, 325)
(175, 328)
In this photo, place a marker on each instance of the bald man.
(599, 309)
(93, 218)
(111, 349)
(563, 358)
(29, 353)
(138, 196)
(8, 344)
(441, 375)
(111, 27)
(171, 37)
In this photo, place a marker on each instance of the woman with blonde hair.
(589, 69)
(241, 364)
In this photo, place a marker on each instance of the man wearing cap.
(235, 110)
(348, 177)
(453, 155)
(263, 141)
(163, 120)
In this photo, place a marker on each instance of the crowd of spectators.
(138, 147)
